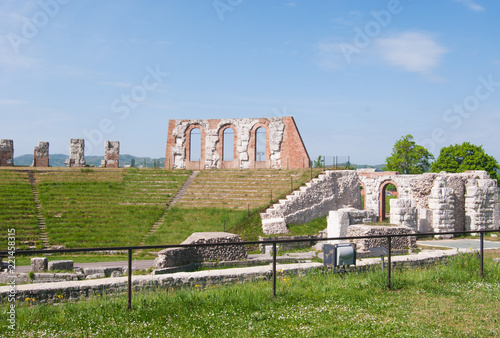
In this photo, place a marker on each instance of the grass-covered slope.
(116, 207)
(17, 210)
(95, 208)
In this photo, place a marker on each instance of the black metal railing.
(267, 241)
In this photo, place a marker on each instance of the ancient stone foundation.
(282, 145)
(41, 155)
(183, 256)
(76, 153)
(397, 243)
(429, 202)
(111, 154)
(6, 153)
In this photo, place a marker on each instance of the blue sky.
(356, 75)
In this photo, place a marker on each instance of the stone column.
(481, 204)
(76, 153)
(6, 153)
(41, 155)
(404, 212)
(442, 204)
(111, 154)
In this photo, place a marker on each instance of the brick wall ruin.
(111, 154)
(76, 153)
(41, 155)
(6, 153)
(429, 202)
(283, 146)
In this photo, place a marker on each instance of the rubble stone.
(41, 155)
(183, 256)
(6, 153)
(76, 153)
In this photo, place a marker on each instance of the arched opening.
(195, 144)
(228, 144)
(388, 191)
(260, 145)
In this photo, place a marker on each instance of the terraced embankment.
(86, 207)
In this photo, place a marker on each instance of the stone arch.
(234, 163)
(252, 149)
(382, 196)
(190, 165)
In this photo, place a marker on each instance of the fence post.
(129, 292)
(274, 269)
(271, 195)
(389, 238)
(481, 250)
(291, 184)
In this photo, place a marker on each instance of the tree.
(408, 157)
(463, 157)
(319, 162)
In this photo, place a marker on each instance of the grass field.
(441, 301)
(97, 208)
(94, 208)
(18, 210)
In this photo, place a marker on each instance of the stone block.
(6, 153)
(66, 265)
(38, 264)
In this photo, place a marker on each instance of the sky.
(356, 75)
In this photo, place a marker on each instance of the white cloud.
(472, 5)
(413, 51)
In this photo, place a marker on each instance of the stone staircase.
(311, 201)
(41, 220)
(176, 199)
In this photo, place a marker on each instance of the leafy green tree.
(408, 157)
(463, 157)
(319, 162)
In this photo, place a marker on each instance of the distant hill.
(57, 160)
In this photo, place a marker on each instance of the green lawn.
(441, 301)
(17, 210)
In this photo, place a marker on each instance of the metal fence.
(269, 241)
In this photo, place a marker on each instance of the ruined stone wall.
(76, 153)
(284, 146)
(182, 256)
(6, 153)
(397, 243)
(41, 155)
(330, 191)
(111, 154)
(444, 201)
(426, 203)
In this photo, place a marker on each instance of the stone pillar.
(76, 153)
(6, 153)
(481, 204)
(41, 155)
(442, 204)
(111, 154)
(404, 212)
